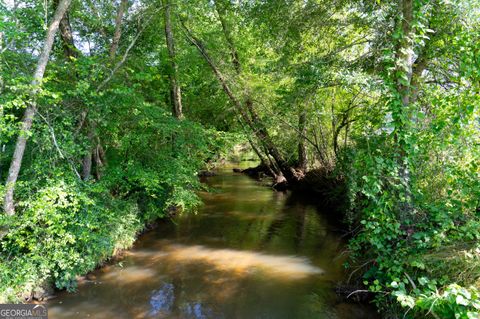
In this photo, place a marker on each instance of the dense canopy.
(109, 109)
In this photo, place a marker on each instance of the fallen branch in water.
(357, 291)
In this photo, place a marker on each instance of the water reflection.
(162, 300)
(248, 253)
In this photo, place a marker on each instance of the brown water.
(248, 253)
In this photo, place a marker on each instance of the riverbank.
(59, 254)
(414, 269)
(70, 228)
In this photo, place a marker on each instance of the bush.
(63, 231)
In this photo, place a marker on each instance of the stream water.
(248, 253)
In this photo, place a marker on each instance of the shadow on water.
(248, 253)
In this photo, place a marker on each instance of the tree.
(175, 90)
(29, 114)
(118, 29)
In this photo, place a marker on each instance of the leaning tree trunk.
(220, 6)
(27, 120)
(175, 91)
(255, 123)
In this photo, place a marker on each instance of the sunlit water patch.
(244, 261)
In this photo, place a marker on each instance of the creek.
(249, 252)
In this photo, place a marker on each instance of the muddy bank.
(323, 189)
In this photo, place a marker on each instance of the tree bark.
(118, 29)
(70, 51)
(175, 91)
(1, 73)
(87, 166)
(29, 114)
(97, 156)
(87, 161)
(302, 150)
(66, 33)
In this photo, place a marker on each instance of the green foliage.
(418, 243)
(391, 108)
(453, 301)
(64, 230)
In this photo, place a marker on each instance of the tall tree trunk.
(1, 72)
(175, 91)
(87, 160)
(118, 29)
(29, 114)
(66, 33)
(93, 156)
(404, 69)
(99, 158)
(70, 51)
(405, 53)
(87, 165)
(302, 131)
